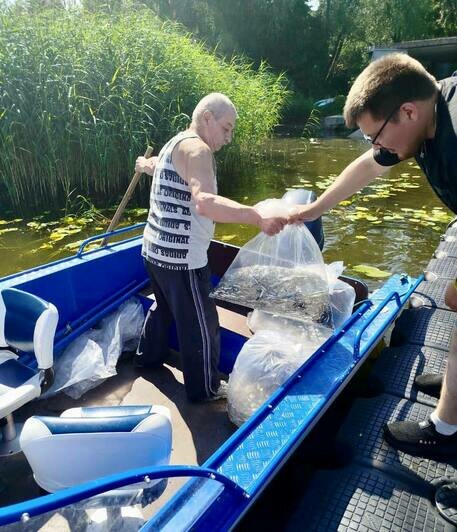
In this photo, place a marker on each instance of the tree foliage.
(321, 51)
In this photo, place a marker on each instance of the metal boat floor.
(452, 229)
(198, 429)
(363, 433)
(430, 294)
(365, 500)
(424, 326)
(397, 367)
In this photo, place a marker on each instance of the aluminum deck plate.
(441, 268)
(397, 367)
(451, 231)
(363, 432)
(424, 326)
(364, 500)
(446, 249)
(430, 294)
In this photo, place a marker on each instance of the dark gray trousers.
(183, 296)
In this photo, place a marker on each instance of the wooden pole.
(128, 194)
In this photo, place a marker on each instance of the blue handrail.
(25, 510)
(393, 295)
(374, 315)
(243, 432)
(108, 235)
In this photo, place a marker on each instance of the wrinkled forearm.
(220, 209)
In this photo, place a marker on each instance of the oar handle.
(128, 194)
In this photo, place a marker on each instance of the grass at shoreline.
(82, 94)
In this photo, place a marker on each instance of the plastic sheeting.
(93, 356)
(342, 295)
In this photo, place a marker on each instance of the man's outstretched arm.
(194, 163)
(353, 178)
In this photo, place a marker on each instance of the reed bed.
(82, 94)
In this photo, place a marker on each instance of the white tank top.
(176, 236)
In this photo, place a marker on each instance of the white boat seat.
(27, 326)
(84, 444)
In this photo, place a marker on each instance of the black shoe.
(420, 439)
(446, 499)
(429, 383)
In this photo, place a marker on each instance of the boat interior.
(198, 430)
(319, 434)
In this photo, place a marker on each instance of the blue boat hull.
(88, 286)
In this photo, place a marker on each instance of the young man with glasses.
(404, 112)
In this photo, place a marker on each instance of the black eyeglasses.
(373, 140)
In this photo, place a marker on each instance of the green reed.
(82, 94)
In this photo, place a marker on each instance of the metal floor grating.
(363, 432)
(442, 268)
(397, 367)
(430, 294)
(452, 231)
(446, 249)
(424, 326)
(362, 500)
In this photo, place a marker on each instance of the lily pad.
(228, 238)
(371, 271)
(8, 230)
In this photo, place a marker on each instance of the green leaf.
(8, 230)
(371, 271)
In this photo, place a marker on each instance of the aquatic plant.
(82, 94)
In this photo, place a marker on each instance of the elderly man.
(184, 205)
(404, 112)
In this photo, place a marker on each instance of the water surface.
(393, 225)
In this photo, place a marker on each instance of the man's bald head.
(216, 103)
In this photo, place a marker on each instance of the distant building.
(439, 56)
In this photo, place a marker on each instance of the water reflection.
(393, 225)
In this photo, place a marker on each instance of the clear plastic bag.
(282, 274)
(342, 295)
(93, 356)
(265, 362)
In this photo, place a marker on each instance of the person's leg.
(436, 436)
(446, 409)
(197, 326)
(153, 346)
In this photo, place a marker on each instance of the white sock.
(446, 429)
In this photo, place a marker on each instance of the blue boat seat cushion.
(18, 385)
(66, 451)
(14, 374)
(27, 325)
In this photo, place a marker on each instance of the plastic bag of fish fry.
(265, 362)
(282, 274)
